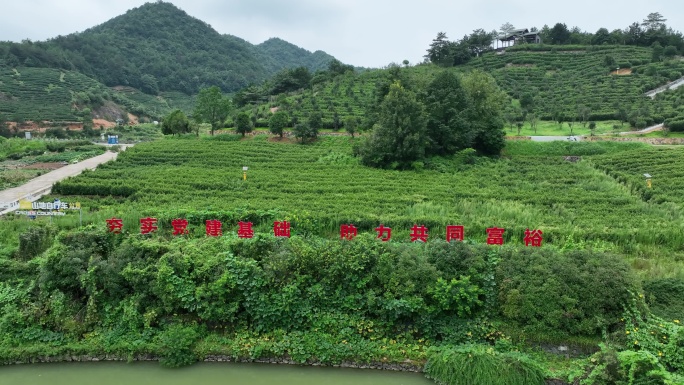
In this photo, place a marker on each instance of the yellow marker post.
(244, 172)
(648, 180)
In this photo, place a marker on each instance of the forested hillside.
(550, 83)
(158, 47)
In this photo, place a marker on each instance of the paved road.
(42, 185)
(574, 138)
(657, 127)
(670, 86)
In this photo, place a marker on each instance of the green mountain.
(277, 54)
(158, 47)
(568, 84)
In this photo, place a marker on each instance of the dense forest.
(158, 47)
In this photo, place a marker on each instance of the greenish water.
(149, 373)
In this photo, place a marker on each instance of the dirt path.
(37, 187)
(657, 127)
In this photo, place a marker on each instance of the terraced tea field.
(321, 186)
(43, 93)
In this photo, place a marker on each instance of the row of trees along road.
(451, 114)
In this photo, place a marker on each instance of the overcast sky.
(369, 33)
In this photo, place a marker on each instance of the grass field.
(548, 128)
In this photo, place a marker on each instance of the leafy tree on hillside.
(289, 80)
(212, 107)
(622, 115)
(602, 36)
(242, 124)
(670, 51)
(653, 21)
(487, 106)
(658, 51)
(634, 34)
(351, 125)
(399, 138)
(527, 102)
(247, 95)
(506, 29)
(534, 120)
(304, 131)
(559, 34)
(175, 123)
(447, 106)
(393, 74)
(278, 122)
(440, 50)
(336, 67)
(314, 121)
(479, 41)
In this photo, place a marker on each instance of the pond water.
(151, 373)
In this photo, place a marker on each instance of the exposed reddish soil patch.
(42, 126)
(132, 119)
(44, 166)
(104, 123)
(622, 71)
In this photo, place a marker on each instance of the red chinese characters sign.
(245, 230)
(148, 225)
(533, 238)
(454, 233)
(115, 225)
(348, 232)
(281, 229)
(495, 236)
(214, 228)
(419, 233)
(180, 226)
(384, 233)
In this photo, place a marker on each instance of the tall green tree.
(399, 138)
(439, 51)
(602, 36)
(506, 29)
(446, 104)
(278, 122)
(658, 51)
(479, 41)
(315, 121)
(560, 34)
(212, 107)
(242, 124)
(486, 112)
(653, 21)
(303, 131)
(351, 125)
(175, 123)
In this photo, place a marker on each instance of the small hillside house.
(519, 36)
